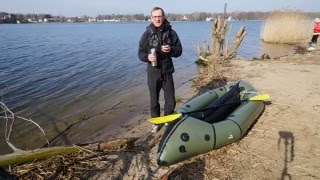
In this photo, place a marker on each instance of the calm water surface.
(54, 73)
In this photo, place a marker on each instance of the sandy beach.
(283, 143)
(284, 140)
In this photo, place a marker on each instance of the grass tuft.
(287, 26)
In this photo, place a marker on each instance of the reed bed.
(287, 26)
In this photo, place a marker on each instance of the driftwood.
(236, 43)
(10, 117)
(26, 156)
(264, 56)
(18, 157)
(219, 28)
(219, 43)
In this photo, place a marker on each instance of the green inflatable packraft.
(201, 132)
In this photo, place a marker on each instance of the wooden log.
(236, 42)
(218, 38)
(214, 36)
(18, 157)
(37, 154)
(222, 38)
(219, 29)
(219, 41)
(226, 42)
(114, 144)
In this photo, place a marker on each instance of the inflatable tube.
(201, 132)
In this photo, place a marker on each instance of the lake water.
(55, 73)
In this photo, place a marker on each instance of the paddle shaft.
(214, 107)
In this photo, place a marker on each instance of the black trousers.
(315, 38)
(156, 82)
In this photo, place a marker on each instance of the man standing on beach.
(158, 44)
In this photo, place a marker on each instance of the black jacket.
(155, 37)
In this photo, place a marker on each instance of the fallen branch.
(19, 157)
(26, 156)
(203, 59)
(236, 42)
(84, 118)
(9, 115)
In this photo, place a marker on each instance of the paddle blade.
(260, 97)
(164, 119)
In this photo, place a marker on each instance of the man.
(160, 37)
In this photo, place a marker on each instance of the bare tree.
(219, 44)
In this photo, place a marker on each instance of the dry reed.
(287, 26)
(214, 75)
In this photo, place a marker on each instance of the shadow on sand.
(288, 140)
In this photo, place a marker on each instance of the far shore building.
(32, 20)
(70, 20)
(185, 18)
(92, 20)
(51, 20)
(209, 19)
(110, 20)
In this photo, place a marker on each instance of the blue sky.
(94, 7)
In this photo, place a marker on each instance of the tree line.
(196, 16)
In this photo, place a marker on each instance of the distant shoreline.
(19, 18)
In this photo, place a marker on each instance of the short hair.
(157, 8)
(317, 20)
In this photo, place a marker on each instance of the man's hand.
(152, 57)
(165, 48)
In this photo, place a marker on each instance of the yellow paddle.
(172, 117)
